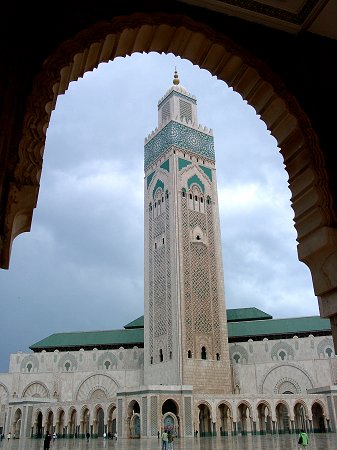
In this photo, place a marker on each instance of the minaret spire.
(176, 80)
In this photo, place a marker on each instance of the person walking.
(303, 439)
(87, 436)
(46, 442)
(9, 436)
(170, 440)
(164, 440)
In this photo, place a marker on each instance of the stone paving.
(282, 442)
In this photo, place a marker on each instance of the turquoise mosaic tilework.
(195, 179)
(166, 165)
(181, 136)
(183, 163)
(149, 179)
(207, 171)
(158, 185)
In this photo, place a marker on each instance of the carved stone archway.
(314, 216)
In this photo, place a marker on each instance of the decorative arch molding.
(239, 350)
(70, 359)
(264, 403)
(36, 389)
(278, 347)
(306, 378)
(288, 385)
(305, 406)
(94, 383)
(105, 358)
(4, 393)
(323, 345)
(210, 50)
(226, 405)
(284, 403)
(247, 405)
(205, 403)
(31, 360)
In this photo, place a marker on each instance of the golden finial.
(176, 78)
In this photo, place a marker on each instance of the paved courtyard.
(283, 442)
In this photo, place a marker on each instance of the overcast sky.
(81, 266)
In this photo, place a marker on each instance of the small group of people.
(167, 439)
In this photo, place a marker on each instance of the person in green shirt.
(164, 440)
(303, 439)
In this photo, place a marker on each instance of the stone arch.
(204, 418)
(285, 372)
(36, 389)
(224, 418)
(210, 50)
(302, 403)
(244, 420)
(264, 417)
(104, 386)
(287, 385)
(282, 411)
(301, 415)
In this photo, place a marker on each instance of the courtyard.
(279, 442)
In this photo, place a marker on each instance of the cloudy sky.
(81, 265)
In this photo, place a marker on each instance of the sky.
(81, 266)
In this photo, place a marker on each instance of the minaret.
(185, 341)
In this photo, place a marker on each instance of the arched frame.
(311, 200)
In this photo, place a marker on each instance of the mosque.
(189, 364)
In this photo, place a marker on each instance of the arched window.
(189, 354)
(161, 357)
(29, 367)
(196, 201)
(218, 356)
(203, 353)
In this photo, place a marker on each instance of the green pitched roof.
(91, 339)
(238, 330)
(279, 327)
(239, 314)
(137, 323)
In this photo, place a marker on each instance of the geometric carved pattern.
(188, 416)
(36, 390)
(120, 416)
(287, 386)
(97, 386)
(202, 314)
(144, 416)
(154, 416)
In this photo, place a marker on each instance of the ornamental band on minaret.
(185, 340)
